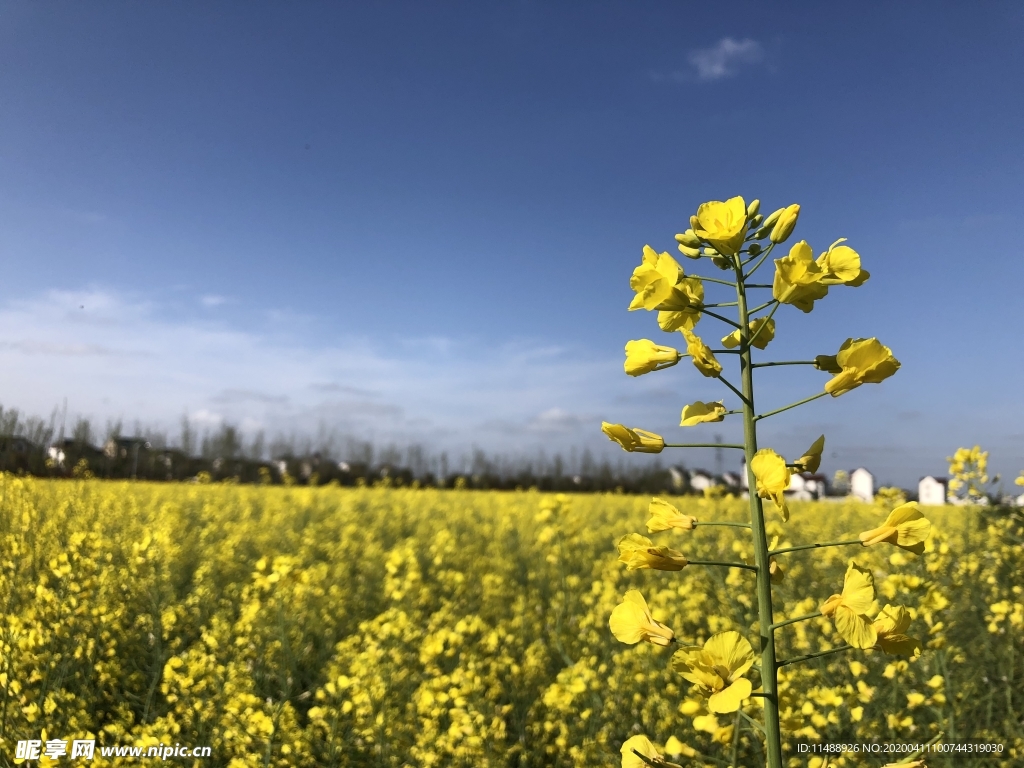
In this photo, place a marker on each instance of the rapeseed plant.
(730, 235)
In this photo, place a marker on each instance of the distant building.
(805, 486)
(862, 484)
(700, 479)
(731, 480)
(933, 491)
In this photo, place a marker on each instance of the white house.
(805, 486)
(862, 484)
(731, 480)
(699, 480)
(932, 491)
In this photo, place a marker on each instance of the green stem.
(760, 285)
(791, 405)
(738, 394)
(730, 525)
(723, 304)
(714, 280)
(784, 362)
(757, 266)
(821, 545)
(769, 669)
(725, 351)
(763, 325)
(763, 306)
(751, 720)
(723, 563)
(809, 656)
(702, 445)
(718, 317)
(795, 619)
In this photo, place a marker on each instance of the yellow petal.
(855, 628)
(730, 699)
(730, 650)
(701, 412)
(858, 589)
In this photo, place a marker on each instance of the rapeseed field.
(299, 626)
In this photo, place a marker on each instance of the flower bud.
(784, 226)
(755, 222)
(693, 253)
(772, 218)
(753, 208)
(688, 239)
(762, 233)
(694, 222)
(753, 249)
(709, 251)
(721, 262)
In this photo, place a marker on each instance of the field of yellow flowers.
(328, 626)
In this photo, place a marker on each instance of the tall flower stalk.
(738, 240)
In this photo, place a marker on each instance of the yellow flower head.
(654, 279)
(717, 670)
(644, 356)
(761, 338)
(643, 745)
(631, 622)
(772, 476)
(703, 360)
(841, 264)
(677, 321)
(676, 748)
(639, 553)
(785, 224)
(724, 225)
(811, 459)
(906, 527)
(891, 625)
(633, 440)
(665, 516)
(849, 609)
(862, 361)
(1020, 480)
(700, 412)
(798, 278)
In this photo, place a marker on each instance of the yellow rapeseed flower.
(841, 264)
(639, 553)
(644, 356)
(665, 516)
(643, 745)
(862, 361)
(724, 225)
(703, 360)
(633, 440)
(760, 339)
(1020, 480)
(631, 622)
(717, 670)
(890, 626)
(906, 527)
(700, 412)
(811, 459)
(676, 748)
(654, 279)
(798, 278)
(785, 223)
(849, 609)
(773, 477)
(677, 321)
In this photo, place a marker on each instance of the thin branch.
(763, 325)
(794, 620)
(718, 317)
(723, 304)
(809, 656)
(787, 362)
(714, 280)
(817, 545)
(758, 265)
(791, 405)
(751, 720)
(730, 525)
(704, 445)
(763, 306)
(724, 563)
(739, 394)
(725, 351)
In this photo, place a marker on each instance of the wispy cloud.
(117, 355)
(213, 300)
(725, 58)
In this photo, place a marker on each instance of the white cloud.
(118, 356)
(724, 59)
(213, 300)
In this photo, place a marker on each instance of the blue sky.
(416, 222)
